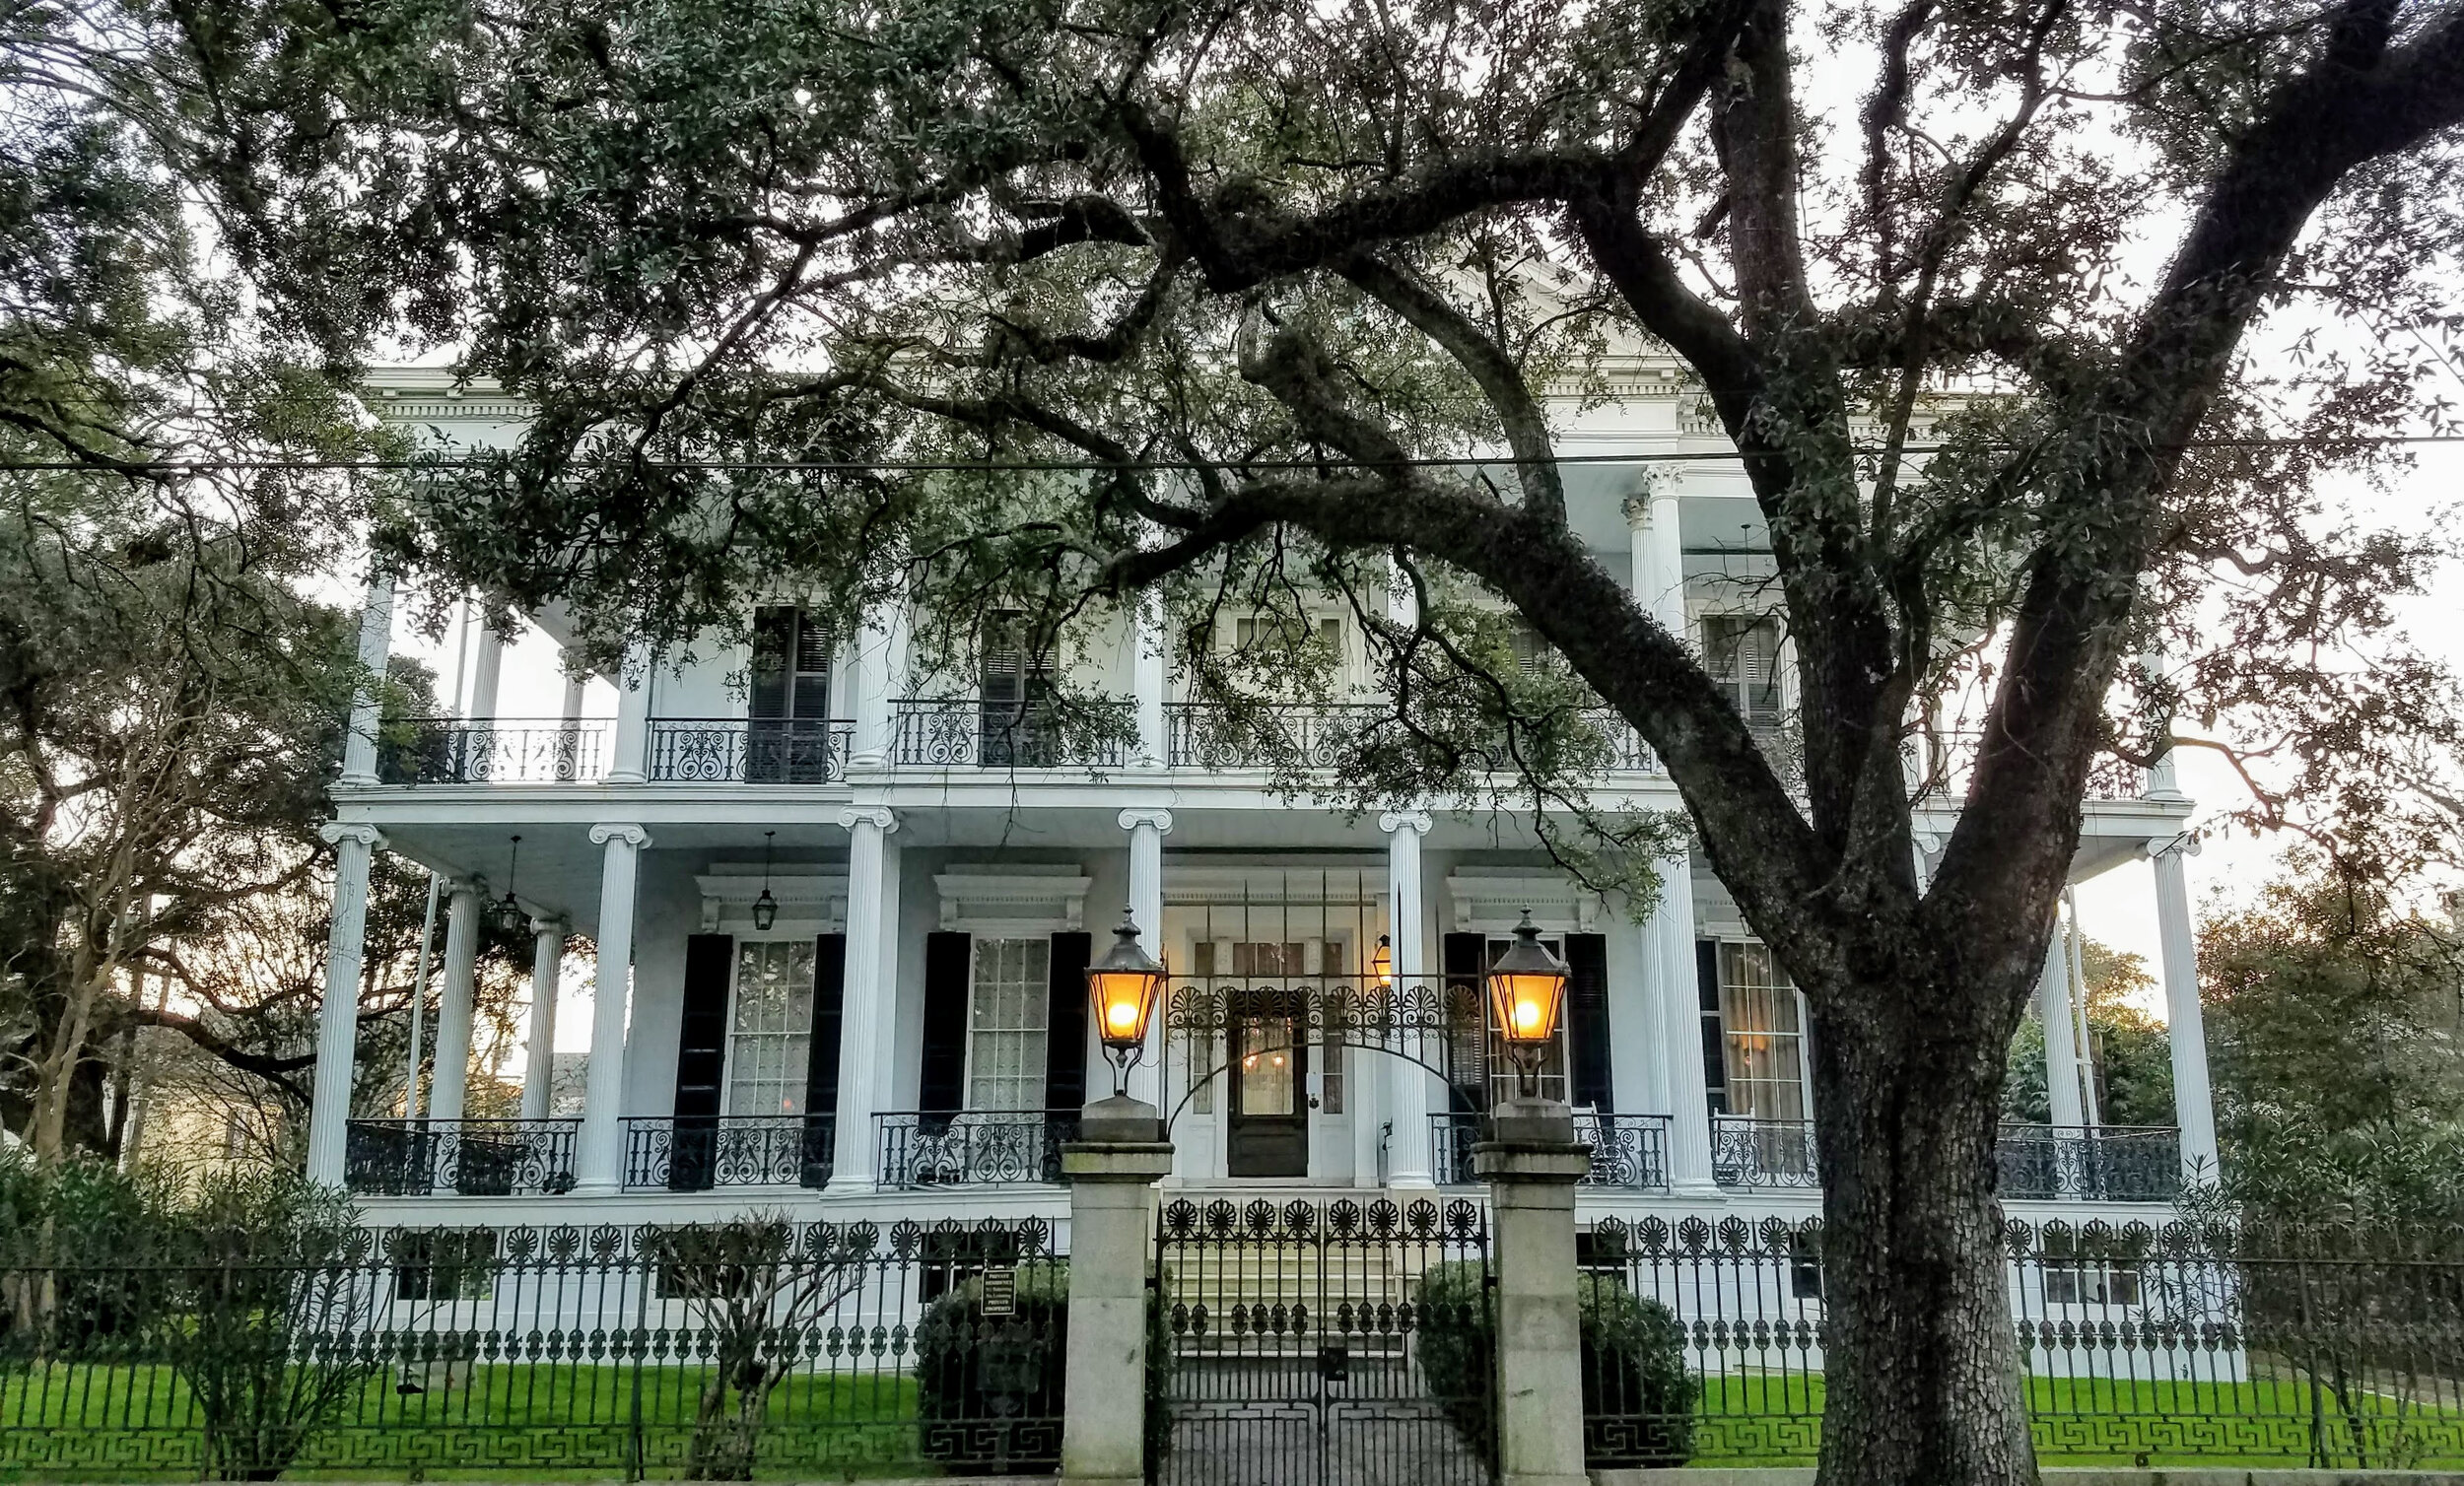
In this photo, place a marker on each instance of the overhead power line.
(416, 464)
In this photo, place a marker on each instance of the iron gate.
(1309, 1344)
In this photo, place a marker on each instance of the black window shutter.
(1587, 1019)
(1714, 1035)
(1464, 959)
(1064, 1025)
(940, 1087)
(821, 1065)
(700, 1061)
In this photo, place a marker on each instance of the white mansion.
(841, 928)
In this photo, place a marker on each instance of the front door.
(1269, 1083)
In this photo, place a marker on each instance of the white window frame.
(1038, 995)
(735, 1003)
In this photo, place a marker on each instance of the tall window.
(1007, 1023)
(788, 735)
(1011, 677)
(1764, 1039)
(1742, 654)
(769, 1035)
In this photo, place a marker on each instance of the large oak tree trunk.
(1920, 1358)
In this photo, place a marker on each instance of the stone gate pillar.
(1530, 1165)
(1112, 1169)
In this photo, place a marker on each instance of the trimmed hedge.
(990, 1390)
(1638, 1400)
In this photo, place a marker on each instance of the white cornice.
(1492, 900)
(1013, 900)
(803, 898)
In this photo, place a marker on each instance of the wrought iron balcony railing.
(698, 1153)
(1207, 735)
(1946, 763)
(501, 751)
(974, 1147)
(749, 751)
(1629, 1152)
(1775, 1153)
(477, 1158)
(966, 732)
(2107, 1164)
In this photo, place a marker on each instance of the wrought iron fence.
(2108, 1163)
(749, 751)
(806, 1350)
(967, 733)
(1323, 1343)
(491, 1158)
(499, 751)
(2324, 1346)
(691, 1153)
(1451, 1138)
(973, 1147)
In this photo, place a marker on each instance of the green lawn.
(540, 1421)
(1775, 1419)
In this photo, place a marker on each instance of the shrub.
(989, 1387)
(1637, 1398)
(262, 1305)
(990, 1390)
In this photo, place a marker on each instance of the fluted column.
(599, 1153)
(486, 673)
(338, 1013)
(2053, 1008)
(2194, 1107)
(358, 747)
(880, 678)
(448, 1084)
(1413, 1093)
(1658, 555)
(1147, 828)
(1149, 677)
(867, 1022)
(547, 963)
(630, 763)
(1675, 997)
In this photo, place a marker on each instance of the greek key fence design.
(2336, 1347)
(809, 1350)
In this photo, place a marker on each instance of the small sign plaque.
(1000, 1291)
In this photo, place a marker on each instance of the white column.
(630, 763)
(880, 676)
(1658, 555)
(2194, 1108)
(448, 1084)
(1149, 677)
(547, 961)
(2082, 1038)
(573, 689)
(1147, 828)
(2053, 1008)
(599, 1153)
(869, 1018)
(338, 1013)
(359, 749)
(486, 673)
(1413, 1093)
(1673, 990)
